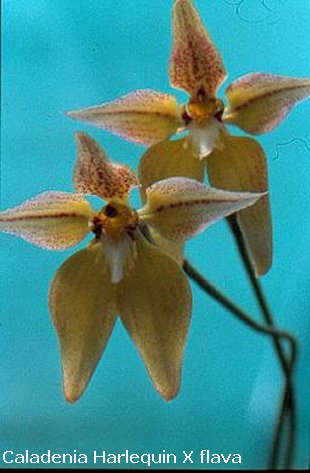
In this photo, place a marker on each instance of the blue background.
(63, 55)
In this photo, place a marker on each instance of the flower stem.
(233, 223)
(288, 407)
(288, 402)
(204, 284)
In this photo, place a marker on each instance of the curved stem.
(288, 403)
(233, 223)
(204, 284)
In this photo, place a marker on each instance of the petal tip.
(77, 115)
(169, 387)
(72, 114)
(262, 271)
(72, 393)
(170, 394)
(82, 137)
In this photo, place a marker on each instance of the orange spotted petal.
(95, 174)
(242, 166)
(144, 116)
(179, 208)
(195, 64)
(51, 220)
(260, 102)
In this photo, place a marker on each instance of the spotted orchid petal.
(195, 64)
(180, 208)
(95, 174)
(51, 220)
(242, 166)
(82, 304)
(260, 102)
(155, 307)
(144, 116)
(170, 159)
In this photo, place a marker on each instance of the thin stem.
(293, 426)
(233, 223)
(288, 404)
(216, 294)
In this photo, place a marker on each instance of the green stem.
(204, 284)
(287, 406)
(233, 223)
(288, 403)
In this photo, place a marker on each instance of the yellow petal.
(144, 116)
(242, 166)
(95, 174)
(168, 159)
(179, 208)
(155, 307)
(195, 64)
(259, 102)
(83, 309)
(51, 220)
(172, 248)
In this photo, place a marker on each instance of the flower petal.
(169, 159)
(95, 174)
(205, 138)
(242, 166)
(180, 208)
(195, 64)
(51, 220)
(155, 307)
(83, 308)
(259, 102)
(144, 116)
(119, 254)
(174, 249)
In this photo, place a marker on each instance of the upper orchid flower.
(121, 271)
(257, 103)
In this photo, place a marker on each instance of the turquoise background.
(63, 55)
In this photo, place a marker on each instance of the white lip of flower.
(119, 254)
(205, 137)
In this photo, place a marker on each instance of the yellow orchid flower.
(121, 271)
(257, 103)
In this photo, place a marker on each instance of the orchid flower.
(257, 103)
(120, 271)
